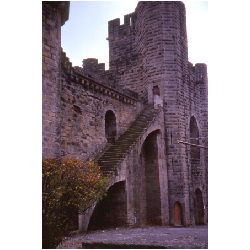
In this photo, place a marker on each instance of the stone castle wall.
(69, 108)
(148, 51)
(84, 104)
(54, 15)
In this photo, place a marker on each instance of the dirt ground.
(148, 237)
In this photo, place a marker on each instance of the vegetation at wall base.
(69, 186)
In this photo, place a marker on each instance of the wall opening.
(149, 159)
(110, 126)
(194, 151)
(178, 220)
(111, 211)
(199, 207)
(157, 100)
(156, 91)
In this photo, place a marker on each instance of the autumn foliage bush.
(69, 187)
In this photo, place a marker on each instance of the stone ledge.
(92, 85)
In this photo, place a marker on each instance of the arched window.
(194, 131)
(110, 126)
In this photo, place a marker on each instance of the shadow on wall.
(150, 164)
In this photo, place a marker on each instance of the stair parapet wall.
(127, 169)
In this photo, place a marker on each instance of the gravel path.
(164, 237)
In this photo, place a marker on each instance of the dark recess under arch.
(111, 211)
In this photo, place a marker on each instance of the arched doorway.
(199, 207)
(177, 214)
(111, 211)
(110, 126)
(150, 164)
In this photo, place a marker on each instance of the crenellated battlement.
(117, 30)
(200, 70)
(65, 62)
(91, 65)
(78, 75)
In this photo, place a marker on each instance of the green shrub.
(69, 187)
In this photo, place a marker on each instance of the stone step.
(110, 166)
(111, 156)
(131, 135)
(108, 160)
(111, 161)
(112, 152)
(120, 148)
(131, 132)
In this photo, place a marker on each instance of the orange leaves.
(69, 186)
(82, 181)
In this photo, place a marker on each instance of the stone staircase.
(117, 151)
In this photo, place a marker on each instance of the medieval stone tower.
(144, 120)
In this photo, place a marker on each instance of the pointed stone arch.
(111, 211)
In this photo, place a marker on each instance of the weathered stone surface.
(157, 98)
(51, 52)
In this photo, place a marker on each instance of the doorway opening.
(178, 214)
